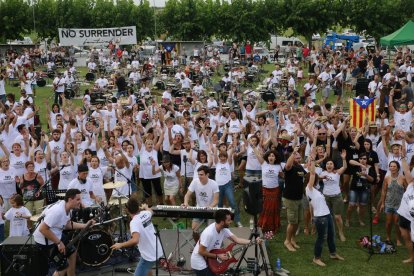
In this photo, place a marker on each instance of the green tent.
(403, 36)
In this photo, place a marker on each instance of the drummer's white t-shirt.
(85, 188)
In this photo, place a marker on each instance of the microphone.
(185, 158)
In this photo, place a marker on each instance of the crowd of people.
(310, 160)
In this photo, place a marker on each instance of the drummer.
(101, 84)
(83, 184)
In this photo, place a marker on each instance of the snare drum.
(41, 82)
(95, 248)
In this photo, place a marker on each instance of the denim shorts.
(360, 197)
(390, 210)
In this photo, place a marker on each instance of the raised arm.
(344, 164)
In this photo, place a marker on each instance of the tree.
(378, 18)
(14, 19)
(309, 17)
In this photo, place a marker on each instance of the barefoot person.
(292, 197)
(322, 218)
(391, 196)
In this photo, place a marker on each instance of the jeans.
(1, 232)
(143, 267)
(121, 93)
(205, 272)
(3, 98)
(227, 191)
(58, 99)
(325, 228)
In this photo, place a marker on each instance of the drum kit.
(94, 249)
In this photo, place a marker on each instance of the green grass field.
(300, 262)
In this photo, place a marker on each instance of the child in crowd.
(18, 216)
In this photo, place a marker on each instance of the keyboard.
(181, 212)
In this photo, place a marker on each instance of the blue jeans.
(205, 272)
(121, 93)
(1, 232)
(143, 267)
(3, 98)
(325, 228)
(227, 191)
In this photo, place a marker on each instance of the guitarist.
(212, 238)
(49, 233)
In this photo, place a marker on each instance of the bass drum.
(41, 82)
(90, 76)
(95, 248)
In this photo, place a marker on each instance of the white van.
(284, 41)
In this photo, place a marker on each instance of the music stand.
(253, 205)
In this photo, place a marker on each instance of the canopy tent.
(403, 36)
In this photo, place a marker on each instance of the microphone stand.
(129, 181)
(158, 239)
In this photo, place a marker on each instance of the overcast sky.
(156, 3)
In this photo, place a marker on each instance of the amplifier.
(27, 262)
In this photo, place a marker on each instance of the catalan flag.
(360, 109)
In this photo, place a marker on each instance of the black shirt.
(294, 186)
(121, 84)
(360, 183)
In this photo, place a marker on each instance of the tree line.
(236, 20)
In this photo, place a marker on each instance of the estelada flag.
(360, 109)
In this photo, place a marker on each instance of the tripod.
(158, 239)
(256, 268)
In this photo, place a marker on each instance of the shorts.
(257, 173)
(404, 223)
(325, 92)
(143, 267)
(294, 210)
(360, 197)
(335, 204)
(390, 210)
(149, 183)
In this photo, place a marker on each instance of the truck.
(337, 41)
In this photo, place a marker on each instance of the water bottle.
(278, 265)
(251, 224)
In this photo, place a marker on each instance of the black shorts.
(149, 183)
(404, 223)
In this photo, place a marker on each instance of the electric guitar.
(60, 259)
(218, 266)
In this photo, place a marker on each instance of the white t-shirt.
(7, 183)
(141, 223)
(18, 225)
(56, 218)
(252, 161)
(223, 173)
(403, 121)
(124, 190)
(96, 176)
(317, 200)
(170, 177)
(145, 169)
(408, 196)
(210, 239)
(331, 183)
(270, 175)
(17, 163)
(85, 188)
(67, 174)
(204, 193)
(189, 167)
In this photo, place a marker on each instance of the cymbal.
(113, 185)
(35, 217)
(115, 201)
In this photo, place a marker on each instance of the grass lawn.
(300, 262)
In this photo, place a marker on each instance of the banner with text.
(85, 37)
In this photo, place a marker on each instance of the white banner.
(84, 37)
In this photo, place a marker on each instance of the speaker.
(253, 195)
(27, 262)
